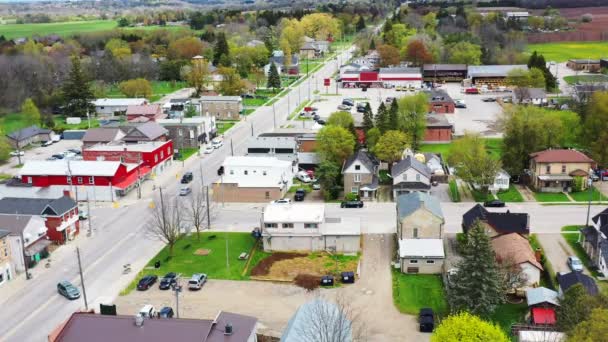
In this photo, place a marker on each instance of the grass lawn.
(223, 126)
(187, 152)
(572, 239)
(478, 196)
(444, 149)
(307, 66)
(159, 89)
(256, 102)
(563, 51)
(511, 195)
(583, 196)
(411, 292)
(296, 186)
(507, 314)
(186, 262)
(551, 197)
(248, 111)
(14, 121)
(286, 81)
(494, 147)
(267, 92)
(585, 78)
(5, 176)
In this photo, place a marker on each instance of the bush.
(454, 194)
(351, 196)
(307, 281)
(587, 18)
(461, 241)
(578, 183)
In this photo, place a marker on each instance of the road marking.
(35, 312)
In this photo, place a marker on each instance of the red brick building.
(438, 129)
(145, 113)
(440, 102)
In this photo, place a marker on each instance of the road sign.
(326, 82)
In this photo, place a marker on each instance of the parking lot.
(37, 152)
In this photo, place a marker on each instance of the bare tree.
(329, 321)
(197, 209)
(512, 274)
(166, 221)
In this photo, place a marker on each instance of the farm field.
(561, 52)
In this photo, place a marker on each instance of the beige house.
(555, 170)
(420, 233)
(6, 273)
(221, 107)
(360, 173)
(513, 249)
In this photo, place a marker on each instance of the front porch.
(554, 183)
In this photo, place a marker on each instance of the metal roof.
(409, 203)
(220, 99)
(493, 70)
(77, 168)
(119, 102)
(422, 248)
(541, 295)
(301, 212)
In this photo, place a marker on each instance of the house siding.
(231, 192)
(442, 107)
(343, 244)
(6, 270)
(539, 169)
(532, 274)
(422, 266)
(437, 134)
(222, 110)
(429, 226)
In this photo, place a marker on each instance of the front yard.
(551, 197)
(411, 292)
(583, 196)
(510, 195)
(186, 152)
(223, 126)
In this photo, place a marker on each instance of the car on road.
(494, 204)
(488, 99)
(167, 281)
(299, 196)
(426, 320)
(472, 90)
(459, 103)
(316, 186)
(58, 156)
(69, 154)
(575, 263)
(344, 107)
(351, 204)
(209, 150)
(282, 201)
(185, 191)
(146, 282)
(187, 178)
(217, 143)
(69, 291)
(17, 153)
(197, 281)
(303, 176)
(321, 122)
(166, 312)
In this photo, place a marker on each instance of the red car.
(472, 91)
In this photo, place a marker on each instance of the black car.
(321, 122)
(300, 194)
(69, 291)
(166, 312)
(187, 178)
(316, 117)
(348, 102)
(146, 282)
(426, 319)
(75, 151)
(494, 204)
(351, 204)
(488, 99)
(167, 281)
(58, 156)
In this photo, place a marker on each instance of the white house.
(534, 96)
(32, 230)
(253, 179)
(501, 182)
(410, 175)
(304, 227)
(115, 106)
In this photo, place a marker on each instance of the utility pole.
(84, 291)
(590, 185)
(231, 148)
(251, 128)
(139, 177)
(27, 274)
(177, 289)
(89, 215)
(274, 116)
(208, 209)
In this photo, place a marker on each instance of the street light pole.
(590, 185)
(84, 291)
(177, 289)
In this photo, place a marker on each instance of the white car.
(209, 149)
(575, 263)
(17, 153)
(47, 143)
(282, 201)
(217, 143)
(147, 311)
(303, 176)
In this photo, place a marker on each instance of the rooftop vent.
(228, 329)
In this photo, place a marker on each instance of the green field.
(159, 89)
(561, 52)
(585, 79)
(14, 121)
(411, 292)
(493, 146)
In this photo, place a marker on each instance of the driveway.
(557, 251)
(274, 304)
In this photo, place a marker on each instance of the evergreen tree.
(372, 45)
(360, 23)
(477, 287)
(388, 27)
(368, 118)
(77, 93)
(48, 121)
(274, 80)
(382, 118)
(393, 115)
(221, 49)
(538, 61)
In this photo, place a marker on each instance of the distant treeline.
(531, 4)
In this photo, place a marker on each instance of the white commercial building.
(115, 106)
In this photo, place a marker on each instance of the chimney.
(538, 254)
(139, 321)
(67, 193)
(228, 329)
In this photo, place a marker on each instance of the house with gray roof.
(148, 131)
(410, 175)
(360, 173)
(102, 135)
(278, 58)
(26, 136)
(25, 231)
(420, 229)
(594, 239)
(534, 96)
(541, 297)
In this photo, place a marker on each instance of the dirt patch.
(287, 266)
(263, 267)
(202, 251)
(307, 281)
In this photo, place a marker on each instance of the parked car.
(390, 99)
(494, 204)
(187, 178)
(185, 191)
(300, 194)
(147, 311)
(209, 149)
(594, 177)
(321, 122)
(348, 101)
(316, 186)
(47, 143)
(82, 215)
(57, 156)
(69, 291)
(217, 143)
(17, 153)
(471, 91)
(458, 103)
(316, 117)
(147, 281)
(351, 204)
(575, 263)
(303, 176)
(166, 312)
(75, 151)
(344, 107)
(426, 320)
(488, 99)
(167, 281)
(197, 281)
(282, 201)
(69, 154)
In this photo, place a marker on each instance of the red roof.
(560, 156)
(132, 178)
(545, 316)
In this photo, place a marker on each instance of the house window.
(357, 178)
(267, 194)
(287, 225)
(311, 225)
(79, 179)
(91, 180)
(69, 179)
(29, 180)
(169, 150)
(548, 169)
(245, 172)
(180, 132)
(231, 172)
(563, 168)
(162, 154)
(357, 167)
(271, 225)
(413, 261)
(156, 158)
(415, 233)
(418, 177)
(354, 190)
(263, 173)
(430, 262)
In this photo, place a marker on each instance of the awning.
(556, 178)
(543, 316)
(370, 187)
(132, 178)
(37, 247)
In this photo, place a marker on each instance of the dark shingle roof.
(36, 206)
(4, 233)
(410, 162)
(438, 95)
(503, 223)
(590, 234)
(101, 134)
(568, 280)
(365, 158)
(28, 132)
(601, 217)
(151, 130)
(14, 224)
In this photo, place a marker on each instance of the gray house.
(190, 132)
(29, 135)
(410, 175)
(360, 173)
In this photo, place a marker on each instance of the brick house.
(440, 102)
(190, 132)
(27, 240)
(589, 65)
(555, 170)
(221, 107)
(144, 113)
(6, 268)
(60, 214)
(360, 173)
(154, 156)
(438, 129)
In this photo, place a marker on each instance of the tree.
(360, 23)
(390, 146)
(389, 55)
(477, 286)
(138, 87)
(412, 112)
(77, 94)
(575, 307)
(330, 321)
(328, 173)
(118, 48)
(596, 128)
(472, 162)
(417, 53)
(342, 119)
(466, 327)
(166, 221)
(274, 80)
(196, 210)
(521, 80)
(393, 115)
(30, 112)
(595, 328)
(185, 48)
(231, 83)
(123, 22)
(47, 121)
(190, 111)
(464, 53)
(371, 138)
(197, 75)
(292, 33)
(320, 26)
(382, 120)
(368, 118)
(538, 61)
(335, 143)
(221, 50)
(5, 148)
(372, 44)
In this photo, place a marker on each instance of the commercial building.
(25, 136)
(384, 78)
(283, 148)
(588, 65)
(438, 129)
(152, 156)
(253, 179)
(491, 75)
(145, 113)
(221, 107)
(113, 107)
(440, 102)
(134, 133)
(190, 132)
(304, 227)
(444, 72)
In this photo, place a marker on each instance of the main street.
(119, 236)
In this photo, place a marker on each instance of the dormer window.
(357, 167)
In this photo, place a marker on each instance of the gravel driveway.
(557, 251)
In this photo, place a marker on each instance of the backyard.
(493, 146)
(510, 195)
(561, 52)
(411, 292)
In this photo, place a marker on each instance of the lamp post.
(590, 186)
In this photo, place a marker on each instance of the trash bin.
(348, 277)
(327, 280)
(157, 264)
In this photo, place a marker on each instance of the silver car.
(575, 263)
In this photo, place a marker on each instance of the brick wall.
(438, 135)
(232, 193)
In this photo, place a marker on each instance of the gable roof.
(602, 217)
(540, 295)
(531, 93)
(14, 224)
(28, 132)
(502, 223)
(36, 206)
(568, 280)
(146, 109)
(409, 203)
(560, 155)
(150, 130)
(365, 158)
(516, 248)
(407, 163)
(103, 134)
(75, 167)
